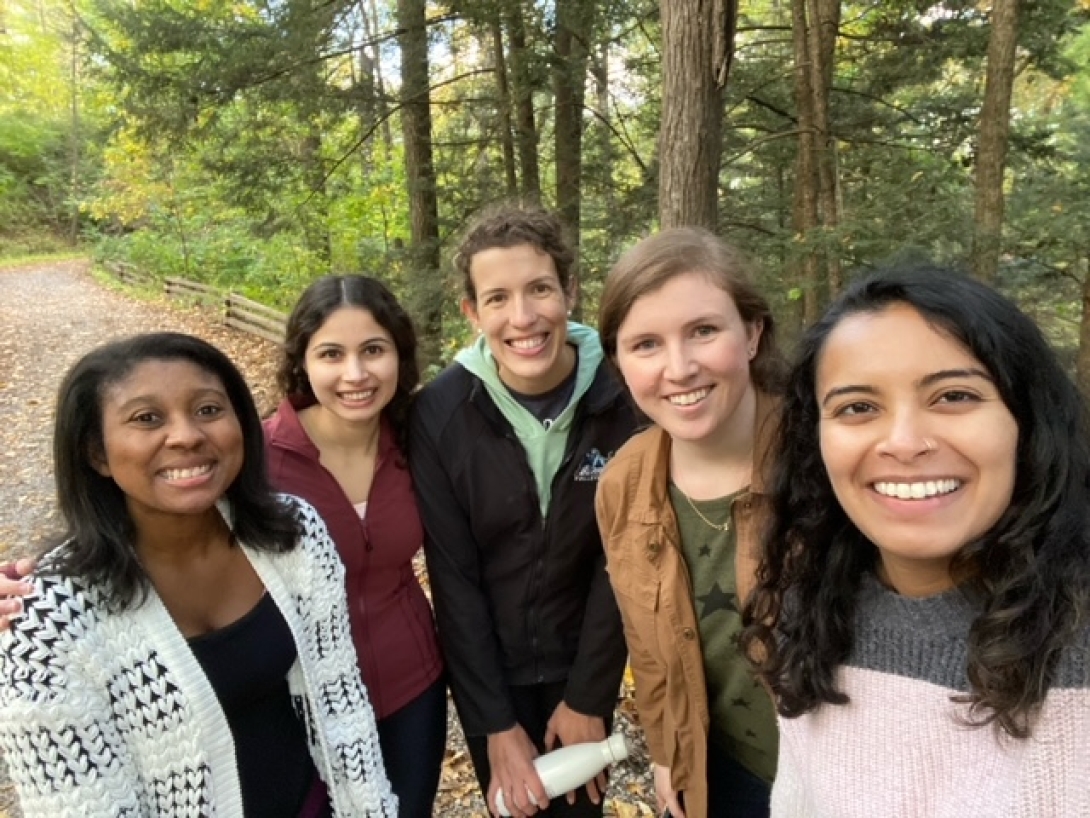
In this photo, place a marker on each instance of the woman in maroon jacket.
(347, 373)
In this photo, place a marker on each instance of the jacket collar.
(284, 430)
(652, 481)
(604, 391)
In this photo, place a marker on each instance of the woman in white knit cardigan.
(185, 651)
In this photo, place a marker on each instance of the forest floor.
(50, 315)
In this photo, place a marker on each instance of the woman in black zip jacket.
(506, 447)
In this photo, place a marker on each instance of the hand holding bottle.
(566, 769)
(511, 756)
(566, 727)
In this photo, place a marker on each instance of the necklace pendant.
(723, 527)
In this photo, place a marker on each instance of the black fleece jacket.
(519, 600)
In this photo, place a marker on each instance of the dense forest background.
(256, 144)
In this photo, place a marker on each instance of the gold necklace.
(724, 527)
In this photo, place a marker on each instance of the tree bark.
(316, 221)
(823, 23)
(371, 32)
(697, 45)
(807, 185)
(573, 26)
(992, 147)
(599, 68)
(1082, 362)
(74, 135)
(507, 141)
(523, 94)
(426, 297)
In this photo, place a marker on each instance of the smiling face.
(171, 440)
(522, 311)
(919, 446)
(684, 352)
(352, 365)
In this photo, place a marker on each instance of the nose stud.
(929, 445)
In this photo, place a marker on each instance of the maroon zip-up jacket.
(392, 624)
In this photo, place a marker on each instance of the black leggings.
(413, 740)
(733, 791)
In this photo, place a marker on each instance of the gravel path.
(50, 315)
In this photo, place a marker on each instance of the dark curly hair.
(1029, 574)
(512, 225)
(98, 527)
(321, 299)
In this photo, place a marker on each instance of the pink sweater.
(898, 750)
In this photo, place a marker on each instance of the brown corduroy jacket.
(651, 582)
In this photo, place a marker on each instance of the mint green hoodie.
(544, 447)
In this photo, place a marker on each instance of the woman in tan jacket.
(679, 510)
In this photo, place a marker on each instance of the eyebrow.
(378, 339)
(926, 380)
(154, 399)
(947, 374)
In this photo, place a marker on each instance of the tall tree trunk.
(523, 94)
(697, 45)
(507, 141)
(599, 68)
(1082, 362)
(824, 21)
(371, 32)
(573, 26)
(807, 184)
(426, 297)
(74, 135)
(316, 221)
(992, 149)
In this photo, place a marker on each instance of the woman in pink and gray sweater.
(923, 609)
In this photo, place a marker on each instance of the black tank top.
(247, 663)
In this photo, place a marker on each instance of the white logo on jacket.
(591, 468)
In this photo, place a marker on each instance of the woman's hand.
(570, 727)
(665, 797)
(511, 756)
(12, 589)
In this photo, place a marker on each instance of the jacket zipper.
(569, 452)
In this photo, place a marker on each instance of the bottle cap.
(618, 747)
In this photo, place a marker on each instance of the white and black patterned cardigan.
(105, 714)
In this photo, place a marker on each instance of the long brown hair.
(655, 260)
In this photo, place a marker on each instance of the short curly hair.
(511, 225)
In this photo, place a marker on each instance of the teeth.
(185, 474)
(689, 398)
(917, 491)
(364, 395)
(528, 343)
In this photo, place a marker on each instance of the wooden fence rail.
(129, 274)
(191, 289)
(257, 319)
(238, 312)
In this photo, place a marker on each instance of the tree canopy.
(259, 143)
